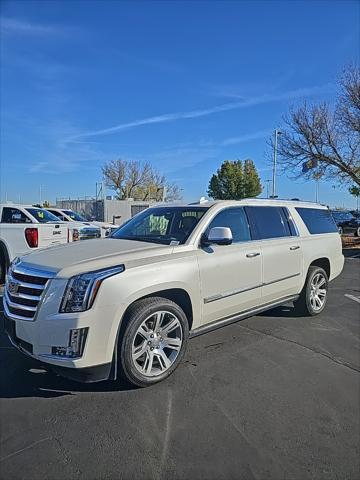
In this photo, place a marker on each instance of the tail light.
(32, 237)
(75, 235)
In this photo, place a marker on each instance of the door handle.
(253, 254)
(295, 247)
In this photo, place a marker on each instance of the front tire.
(357, 232)
(313, 297)
(154, 341)
(2, 269)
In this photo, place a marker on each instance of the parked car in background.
(23, 229)
(346, 222)
(127, 305)
(80, 228)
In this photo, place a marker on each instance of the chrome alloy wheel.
(157, 343)
(317, 293)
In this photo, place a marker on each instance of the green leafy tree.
(235, 180)
(252, 184)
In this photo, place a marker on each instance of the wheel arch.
(322, 262)
(176, 294)
(4, 255)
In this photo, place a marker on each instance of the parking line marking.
(352, 297)
(25, 448)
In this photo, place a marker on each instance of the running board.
(235, 318)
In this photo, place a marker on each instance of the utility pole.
(40, 194)
(267, 187)
(276, 134)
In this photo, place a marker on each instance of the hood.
(81, 225)
(105, 224)
(79, 257)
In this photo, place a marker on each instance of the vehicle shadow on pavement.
(283, 311)
(29, 379)
(23, 377)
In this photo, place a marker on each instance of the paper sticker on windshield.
(41, 214)
(173, 243)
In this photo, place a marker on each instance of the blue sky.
(183, 85)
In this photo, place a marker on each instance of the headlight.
(81, 290)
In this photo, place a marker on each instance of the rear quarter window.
(14, 215)
(269, 222)
(317, 220)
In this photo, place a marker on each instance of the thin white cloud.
(246, 138)
(171, 117)
(23, 27)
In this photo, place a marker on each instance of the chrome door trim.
(240, 316)
(220, 296)
(282, 279)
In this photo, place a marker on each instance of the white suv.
(128, 304)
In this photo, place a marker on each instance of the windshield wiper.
(141, 239)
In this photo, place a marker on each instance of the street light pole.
(317, 190)
(276, 134)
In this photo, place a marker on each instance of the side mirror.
(219, 236)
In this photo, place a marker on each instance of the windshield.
(42, 216)
(166, 225)
(75, 216)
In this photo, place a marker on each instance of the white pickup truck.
(79, 227)
(23, 229)
(103, 229)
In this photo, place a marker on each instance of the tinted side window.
(58, 215)
(236, 220)
(268, 222)
(317, 220)
(14, 215)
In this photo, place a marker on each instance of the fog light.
(75, 348)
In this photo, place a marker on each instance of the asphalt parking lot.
(272, 397)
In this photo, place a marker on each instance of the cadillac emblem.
(13, 287)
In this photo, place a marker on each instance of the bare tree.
(114, 173)
(141, 181)
(137, 175)
(324, 141)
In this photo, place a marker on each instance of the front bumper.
(96, 373)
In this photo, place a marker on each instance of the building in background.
(104, 210)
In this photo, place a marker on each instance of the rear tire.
(313, 297)
(154, 341)
(357, 232)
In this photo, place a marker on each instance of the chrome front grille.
(87, 233)
(24, 289)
